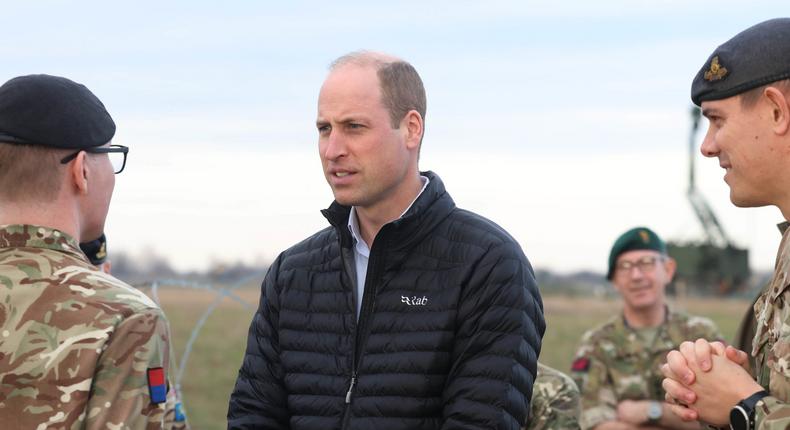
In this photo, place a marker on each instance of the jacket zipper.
(368, 300)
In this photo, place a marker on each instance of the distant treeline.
(154, 267)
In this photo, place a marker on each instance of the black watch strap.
(742, 415)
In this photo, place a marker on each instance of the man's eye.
(322, 129)
(353, 125)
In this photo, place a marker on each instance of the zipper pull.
(351, 387)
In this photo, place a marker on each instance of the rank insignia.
(157, 385)
(581, 364)
(716, 72)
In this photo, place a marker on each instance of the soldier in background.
(78, 348)
(555, 401)
(617, 366)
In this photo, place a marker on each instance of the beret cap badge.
(716, 71)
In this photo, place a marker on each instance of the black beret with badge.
(52, 111)
(755, 57)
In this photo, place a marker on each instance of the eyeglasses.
(117, 154)
(645, 265)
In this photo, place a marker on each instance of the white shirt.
(361, 249)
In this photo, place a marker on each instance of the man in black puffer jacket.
(406, 313)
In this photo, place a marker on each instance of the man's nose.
(709, 147)
(334, 146)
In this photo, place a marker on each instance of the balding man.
(407, 312)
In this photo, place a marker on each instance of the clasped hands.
(704, 380)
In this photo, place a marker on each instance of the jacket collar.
(430, 208)
(34, 236)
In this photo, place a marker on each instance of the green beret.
(755, 57)
(634, 239)
(52, 111)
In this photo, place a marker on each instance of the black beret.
(636, 238)
(52, 111)
(95, 250)
(755, 57)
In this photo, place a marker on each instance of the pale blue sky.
(565, 122)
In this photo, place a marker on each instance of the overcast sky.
(565, 122)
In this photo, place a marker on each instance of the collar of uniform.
(782, 226)
(35, 236)
(667, 313)
(635, 345)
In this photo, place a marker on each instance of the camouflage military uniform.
(771, 346)
(613, 363)
(75, 343)
(555, 401)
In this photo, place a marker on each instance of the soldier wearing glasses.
(617, 366)
(78, 348)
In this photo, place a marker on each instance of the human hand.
(714, 392)
(679, 374)
(632, 411)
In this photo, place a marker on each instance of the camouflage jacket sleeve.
(773, 373)
(591, 374)
(120, 392)
(555, 402)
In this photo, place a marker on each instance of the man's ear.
(780, 110)
(78, 172)
(670, 265)
(413, 124)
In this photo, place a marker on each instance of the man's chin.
(745, 202)
(345, 200)
(643, 304)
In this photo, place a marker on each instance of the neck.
(644, 318)
(785, 209)
(36, 213)
(372, 218)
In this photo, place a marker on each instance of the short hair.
(750, 98)
(29, 173)
(401, 87)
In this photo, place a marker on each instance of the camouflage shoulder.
(553, 377)
(95, 284)
(591, 338)
(555, 401)
(696, 326)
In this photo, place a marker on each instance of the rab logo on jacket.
(414, 300)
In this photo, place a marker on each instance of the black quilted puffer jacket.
(447, 338)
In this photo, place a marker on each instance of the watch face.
(654, 411)
(739, 419)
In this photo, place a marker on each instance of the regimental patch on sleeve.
(581, 364)
(157, 385)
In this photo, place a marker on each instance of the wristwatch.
(654, 412)
(742, 415)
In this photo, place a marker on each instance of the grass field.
(211, 370)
